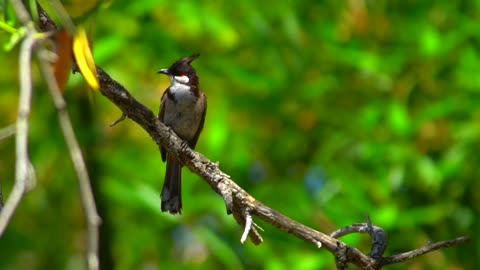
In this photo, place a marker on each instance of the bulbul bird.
(183, 108)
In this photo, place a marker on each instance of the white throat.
(178, 79)
(180, 89)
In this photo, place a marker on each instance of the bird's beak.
(163, 71)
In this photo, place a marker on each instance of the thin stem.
(21, 142)
(7, 131)
(7, 28)
(88, 201)
(21, 11)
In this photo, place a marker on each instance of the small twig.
(7, 131)
(118, 120)
(354, 228)
(21, 140)
(379, 239)
(32, 177)
(425, 249)
(243, 216)
(93, 219)
(248, 225)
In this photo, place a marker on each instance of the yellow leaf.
(84, 58)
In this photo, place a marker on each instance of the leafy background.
(324, 110)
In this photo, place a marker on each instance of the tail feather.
(171, 191)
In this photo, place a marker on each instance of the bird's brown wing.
(194, 140)
(161, 114)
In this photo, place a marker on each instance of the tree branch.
(423, 250)
(378, 236)
(88, 202)
(7, 131)
(237, 200)
(21, 140)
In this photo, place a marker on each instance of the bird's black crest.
(183, 65)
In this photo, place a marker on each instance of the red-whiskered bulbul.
(183, 108)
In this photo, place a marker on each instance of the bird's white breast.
(180, 112)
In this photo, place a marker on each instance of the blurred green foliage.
(324, 110)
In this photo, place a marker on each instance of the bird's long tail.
(171, 191)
